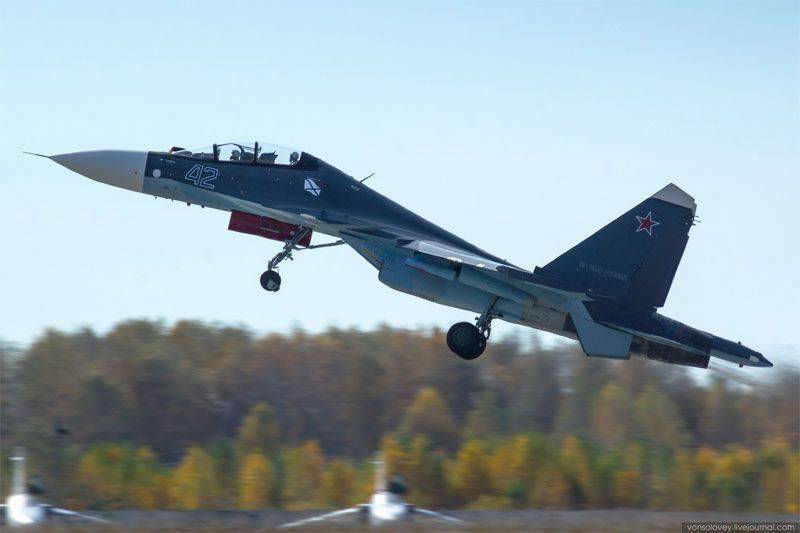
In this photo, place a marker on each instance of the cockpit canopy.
(267, 154)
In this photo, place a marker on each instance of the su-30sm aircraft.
(23, 508)
(386, 505)
(604, 292)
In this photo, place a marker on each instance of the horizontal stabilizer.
(596, 339)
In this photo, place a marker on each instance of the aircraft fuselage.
(309, 193)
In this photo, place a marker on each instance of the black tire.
(466, 341)
(270, 281)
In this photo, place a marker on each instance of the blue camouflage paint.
(623, 272)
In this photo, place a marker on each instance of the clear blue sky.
(522, 127)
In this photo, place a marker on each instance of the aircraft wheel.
(271, 281)
(466, 341)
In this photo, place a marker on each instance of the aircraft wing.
(66, 512)
(438, 516)
(449, 253)
(322, 517)
(446, 255)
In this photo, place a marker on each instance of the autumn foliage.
(199, 416)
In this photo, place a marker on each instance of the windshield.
(259, 153)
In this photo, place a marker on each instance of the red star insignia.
(646, 223)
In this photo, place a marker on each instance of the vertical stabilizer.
(380, 472)
(633, 259)
(18, 471)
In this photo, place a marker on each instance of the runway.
(625, 520)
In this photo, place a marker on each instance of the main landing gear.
(468, 341)
(270, 279)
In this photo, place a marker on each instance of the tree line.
(197, 415)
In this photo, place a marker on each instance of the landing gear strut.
(270, 279)
(468, 341)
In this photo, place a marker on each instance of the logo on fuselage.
(646, 223)
(312, 187)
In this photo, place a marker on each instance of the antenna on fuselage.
(368, 177)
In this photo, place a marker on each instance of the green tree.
(104, 411)
(734, 477)
(535, 390)
(426, 473)
(721, 423)
(484, 419)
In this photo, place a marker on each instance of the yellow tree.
(734, 476)
(705, 461)
(551, 490)
(793, 490)
(612, 418)
(147, 483)
(304, 468)
(774, 459)
(255, 480)
(394, 455)
(658, 419)
(682, 483)
(194, 484)
(101, 475)
(575, 467)
(502, 470)
(470, 474)
(636, 458)
(259, 430)
(626, 488)
(514, 466)
(338, 484)
(428, 415)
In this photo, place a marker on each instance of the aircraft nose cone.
(120, 168)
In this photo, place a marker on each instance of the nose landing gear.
(468, 341)
(270, 279)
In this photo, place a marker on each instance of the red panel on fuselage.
(265, 227)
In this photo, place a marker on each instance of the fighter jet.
(385, 506)
(604, 292)
(23, 508)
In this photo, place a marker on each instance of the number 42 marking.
(202, 175)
